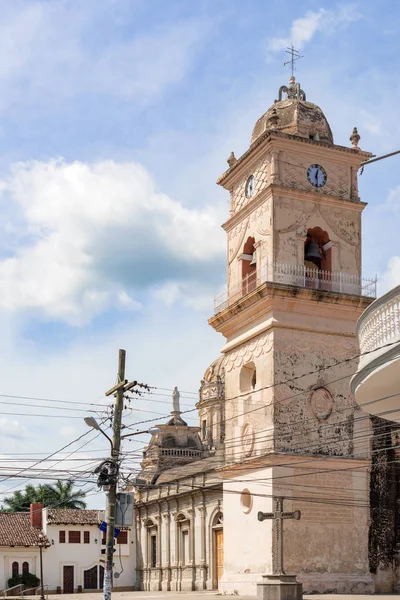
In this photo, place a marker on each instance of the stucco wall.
(20, 555)
(84, 556)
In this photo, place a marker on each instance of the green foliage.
(28, 580)
(59, 495)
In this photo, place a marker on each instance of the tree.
(59, 495)
(63, 495)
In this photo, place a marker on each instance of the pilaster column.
(157, 518)
(167, 519)
(274, 168)
(203, 548)
(192, 515)
(145, 549)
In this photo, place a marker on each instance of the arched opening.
(318, 258)
(249, 266)
(152, 554)
(317, 249)
(183, 539)
(248, 377)
(25, 568)
(15, 569)
(218, 548)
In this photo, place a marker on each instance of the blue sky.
(116, 118)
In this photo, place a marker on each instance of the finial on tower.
(355, 138)
(273, 119)
(232, 159)
(294, 57)
(176, 409)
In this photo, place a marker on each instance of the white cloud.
(95, 234)
(12, 428)
(46, 52)
(304, 28)
(370, 123)
(391, 277)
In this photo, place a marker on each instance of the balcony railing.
(379, 325)
(298, 276)
(181, 452)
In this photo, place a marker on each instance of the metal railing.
(298, 276)
(18, 587)
(22, 592)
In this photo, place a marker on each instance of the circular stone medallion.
(321, 404)
(248, 438)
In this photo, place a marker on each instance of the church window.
(204, 429)
(185, 547)
(153, 551)
(25, 568)
(15, 569)
(246, 500)
(248, 377)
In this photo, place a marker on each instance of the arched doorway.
(218, 549)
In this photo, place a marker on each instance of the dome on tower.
(294, 115)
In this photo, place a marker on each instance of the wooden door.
(68, 580)
(219, 553)
(90, 579)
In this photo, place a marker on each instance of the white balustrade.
(299, 276)
(380, 324)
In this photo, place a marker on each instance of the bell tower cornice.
(265, 143)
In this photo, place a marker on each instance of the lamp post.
(41, 544)
(112, 491)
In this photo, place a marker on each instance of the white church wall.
(247, 542)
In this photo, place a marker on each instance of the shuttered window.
(74, 537)
(86, 537)
(61, 537)
(122, 537)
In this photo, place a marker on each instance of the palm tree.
(62, 495)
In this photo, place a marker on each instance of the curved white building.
(376, 385)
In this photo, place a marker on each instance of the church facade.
(277, 419)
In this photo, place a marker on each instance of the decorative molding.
(321, 404)
(248, 351)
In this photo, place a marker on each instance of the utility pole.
(119, 390)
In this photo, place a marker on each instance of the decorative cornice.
(268, 135)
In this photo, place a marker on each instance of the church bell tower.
(294, 293)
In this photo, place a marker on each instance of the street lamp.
(91, 422)
(41, 545)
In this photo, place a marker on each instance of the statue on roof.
(175, 401)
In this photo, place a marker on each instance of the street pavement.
(202, 595)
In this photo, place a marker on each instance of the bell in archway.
(253, 262)
(312, 253)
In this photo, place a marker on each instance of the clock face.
(250, 185)
(316, 175)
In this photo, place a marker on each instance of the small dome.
(212, 387)
(294, 115)
(215, 371)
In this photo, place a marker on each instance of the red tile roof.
(16, 530)
(64, 516)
